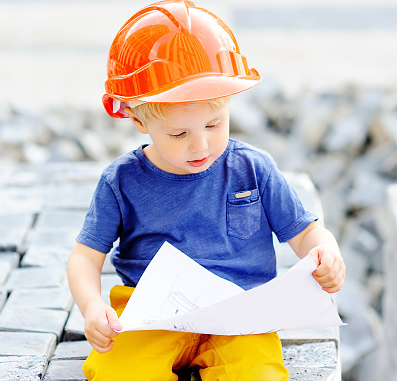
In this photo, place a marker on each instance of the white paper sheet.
(177, 294)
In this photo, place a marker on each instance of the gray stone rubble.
(49, 165)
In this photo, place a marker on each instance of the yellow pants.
(155, 355)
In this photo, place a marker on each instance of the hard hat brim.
(194, 90)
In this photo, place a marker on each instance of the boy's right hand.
(99, 318)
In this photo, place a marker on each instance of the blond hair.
(158, 110)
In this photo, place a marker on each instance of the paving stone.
(63, 237)
(315, 361)
(27, 343)
(36, 278)
(65, 370)
(72, 350)
(309, 335)
(13, 228)
(311, 374)
(3, 298)
(22, 368)
(17, 200)
(57, 228)
(55, 219)
(29, 176)
(82, 172)
(71, 196)
(74, 328)
(32, 320)
(45, 256)
(5, 173)
(49, 298)
(8, 261)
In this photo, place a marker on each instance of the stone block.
(17, 200)
(27, 344)
(65, 370)
(71, 196)
(62, 237)
(56, 219)
(22, 368)
(30, 278)
(23, 319)
(74, 328)
(76, 173)
(48, 298)
(3, 298)
(72, 350)
(8, 261)
(29, 176)
(57, 228)
(46, 256)
(314, 335)
(315, 361)
(13, 228)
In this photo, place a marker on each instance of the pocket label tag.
(243, 194)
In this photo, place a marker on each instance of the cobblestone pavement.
(41, 329)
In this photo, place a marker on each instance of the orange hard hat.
(174, 51)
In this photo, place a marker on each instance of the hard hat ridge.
(175, 51)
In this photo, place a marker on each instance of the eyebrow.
(173, 129)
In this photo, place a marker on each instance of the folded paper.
(177, 294)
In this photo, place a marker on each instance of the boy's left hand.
(330, 272)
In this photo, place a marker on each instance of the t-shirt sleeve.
(103, 219)
(284, 210)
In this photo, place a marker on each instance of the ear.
(137, 122)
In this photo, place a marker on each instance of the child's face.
(190, 139)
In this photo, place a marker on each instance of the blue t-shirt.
(223, 217)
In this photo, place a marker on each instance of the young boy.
(171, 70)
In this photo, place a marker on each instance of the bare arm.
(84, 276)
(321, 245)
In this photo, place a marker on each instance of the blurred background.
(326, 106)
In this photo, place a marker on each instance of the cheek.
(172, 150)
(222, 139)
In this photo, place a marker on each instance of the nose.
(198, 143)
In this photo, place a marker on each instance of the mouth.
(198, 163)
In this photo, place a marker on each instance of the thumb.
(113, 320)
(314, 254)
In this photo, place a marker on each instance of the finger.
(314, 254)
(327, 277)
(100, 341)
(334, 289)
(101, 349)
(108, 331)
(326, 265)
(113, 321)
(98, 338)
(333, 285)
(336, 273)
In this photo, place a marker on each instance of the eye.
(213, 125)
(178, 136)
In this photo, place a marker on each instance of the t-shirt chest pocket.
(243, 213)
